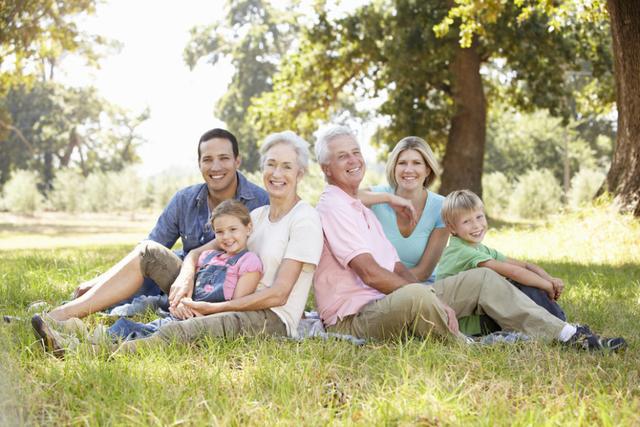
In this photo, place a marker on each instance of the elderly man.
(363, 289)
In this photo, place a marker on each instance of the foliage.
(253, 36)
(21, 193)
(68, 191)
(584, 186)
(518, 142)
(61, 127)
(537, 194)
(496, 189)
(317, 382)
(388, 51)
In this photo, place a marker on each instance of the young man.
(186, 217)
(363, 289)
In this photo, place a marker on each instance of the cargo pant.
(162, 266)
(415, 309)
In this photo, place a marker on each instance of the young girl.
(222, 275)
(225, 274)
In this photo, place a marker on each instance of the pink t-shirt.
(350, 229)
(248, 263)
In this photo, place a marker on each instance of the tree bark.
(464, 155)
(623, 179)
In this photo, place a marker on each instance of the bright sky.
(149, 71)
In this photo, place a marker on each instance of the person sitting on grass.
(362, 288)
(463, 213)
(222, 275)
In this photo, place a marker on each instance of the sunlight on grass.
(315, 382)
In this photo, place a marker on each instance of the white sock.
(567, 332)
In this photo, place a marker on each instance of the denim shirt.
(187, 215)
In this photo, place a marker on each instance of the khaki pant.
(413, 308)
(162, 266)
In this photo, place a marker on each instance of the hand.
(181, 288)
(202, 306)
(558, 287)
(182, 311)
(452, 320)
(403, 207)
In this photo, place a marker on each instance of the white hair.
(326, 136)
(289, 138)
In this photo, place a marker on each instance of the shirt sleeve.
(474, 257)
(498, 256)
(438, 199)
(249, 263)
(167, 230)
(305, 237)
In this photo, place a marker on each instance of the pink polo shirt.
(350, 229)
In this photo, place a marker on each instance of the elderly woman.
(418, 232)
(287, 235)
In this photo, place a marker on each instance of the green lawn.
(263, 382)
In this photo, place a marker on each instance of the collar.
(336, 191)
(243, 191)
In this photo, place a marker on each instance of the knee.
(419, 297)
(149, 252)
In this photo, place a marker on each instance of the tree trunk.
(623, 179)
(464, 155)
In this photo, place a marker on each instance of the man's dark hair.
(219, 133)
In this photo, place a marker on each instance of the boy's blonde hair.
(233, 208)
(459, 201)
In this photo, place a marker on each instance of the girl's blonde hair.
(233, 208)
(459, 201)
(421, 146)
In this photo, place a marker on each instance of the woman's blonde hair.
(421, 146)
(459, 201)
(233, 208)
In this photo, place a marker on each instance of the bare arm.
(431, 255)
(385, 281)
(404, 272)
(399, 204)
(520, 275)
(558, 284)
(183, 285)
(274, 296)
(247, 284)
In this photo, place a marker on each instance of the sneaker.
(586, 340)
(52, 340)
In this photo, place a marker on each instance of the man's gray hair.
(326, 136)
(289, 138)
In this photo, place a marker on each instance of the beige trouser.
(162, 266)
(413, 308)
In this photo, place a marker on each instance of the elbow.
(278, 298)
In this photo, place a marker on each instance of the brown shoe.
(53, 341)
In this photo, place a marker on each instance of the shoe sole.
(43, 332)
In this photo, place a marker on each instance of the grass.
(274, 381)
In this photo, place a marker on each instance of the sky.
(149, 72)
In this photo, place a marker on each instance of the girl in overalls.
(228, 273)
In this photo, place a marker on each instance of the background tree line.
(437, 69)
(45, 126)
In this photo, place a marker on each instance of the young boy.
(463, 214)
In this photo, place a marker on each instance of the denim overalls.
(209, 287)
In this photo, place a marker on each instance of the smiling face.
(218, 165)
(281, 171)
(345, 167)
(411, 170)
(470, 225)
(231, 233)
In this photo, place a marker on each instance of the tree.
(254, 37)
(432, 87)
(59, 127)
(623, 178)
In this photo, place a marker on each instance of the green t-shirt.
(461, 256)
